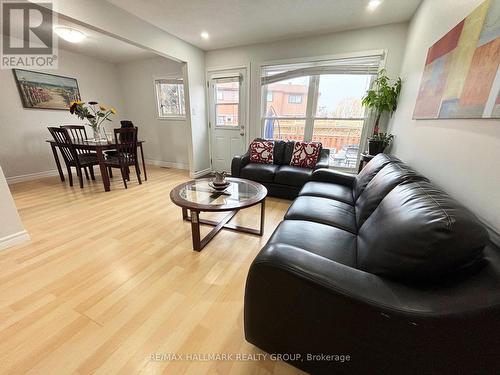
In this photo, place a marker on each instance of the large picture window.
(320, 102)
(170, 97)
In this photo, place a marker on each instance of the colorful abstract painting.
(461, 78)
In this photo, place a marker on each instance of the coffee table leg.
(262, 216)
(195, 230)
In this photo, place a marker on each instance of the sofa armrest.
(238, 163)
(333, 177)
(324, 159)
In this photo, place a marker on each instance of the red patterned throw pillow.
(262, 152)
(305, 154)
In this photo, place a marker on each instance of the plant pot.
(375, 147)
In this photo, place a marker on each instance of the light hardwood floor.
(109, 279)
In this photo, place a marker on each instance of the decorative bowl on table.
(219, 186)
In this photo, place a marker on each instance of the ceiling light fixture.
(69, 34)
(205, 35)
(373, 4)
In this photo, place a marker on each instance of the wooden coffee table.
(197, 196)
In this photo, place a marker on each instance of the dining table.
(99, 148)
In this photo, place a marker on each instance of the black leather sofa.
(281, 179)
(382, 267)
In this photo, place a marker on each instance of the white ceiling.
(103, 47)
(239, 22)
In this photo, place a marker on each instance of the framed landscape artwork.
(46, 91)
(461, 78)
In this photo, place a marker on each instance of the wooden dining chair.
(126, 154)
(78, 134)
(70, 155)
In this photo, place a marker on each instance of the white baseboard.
(14, 239)
(167, 164)
(31, 176)
(200, 173)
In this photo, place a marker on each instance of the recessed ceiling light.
(69, 34)
(373, 4)
(205, 35)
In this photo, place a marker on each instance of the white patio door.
(227, 96)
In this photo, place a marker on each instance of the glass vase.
(97, 134)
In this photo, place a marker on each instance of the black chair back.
(126, 140)
(63, 141)
(126, 124)
(78, 134)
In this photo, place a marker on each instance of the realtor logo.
(27, 35)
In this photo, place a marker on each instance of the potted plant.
(382, 97)
(378, 142)
(94, 113)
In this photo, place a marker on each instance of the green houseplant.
(382, 97)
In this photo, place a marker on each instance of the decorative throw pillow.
(262, 152)
(305, 154)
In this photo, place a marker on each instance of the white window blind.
(353, 65)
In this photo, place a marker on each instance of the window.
(324, 104)
(295, 99)
(227, 104)
(170, 97)
(285, 120)
(269, 96)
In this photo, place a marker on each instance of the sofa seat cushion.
(325, 211)
(329, 242)
(292, 176)
(259, 172)
(326, 190)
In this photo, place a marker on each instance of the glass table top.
(238, 192)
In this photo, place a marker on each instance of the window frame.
(179, 79)
(299, 96)
(313, 90)
(213, 88)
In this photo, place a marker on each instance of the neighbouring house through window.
(320, 101)
(170, 97)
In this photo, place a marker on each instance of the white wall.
(117, 22)
(462, 156)
(166, 140)
(11, 229)
(389, 37)
(23, 150)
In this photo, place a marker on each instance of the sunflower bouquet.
(92, 112)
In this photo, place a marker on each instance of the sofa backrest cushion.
(419, 232)
(279, 150)
(369, 171)
(287, 155)
(382, 183)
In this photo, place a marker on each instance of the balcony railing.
(341, 136)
